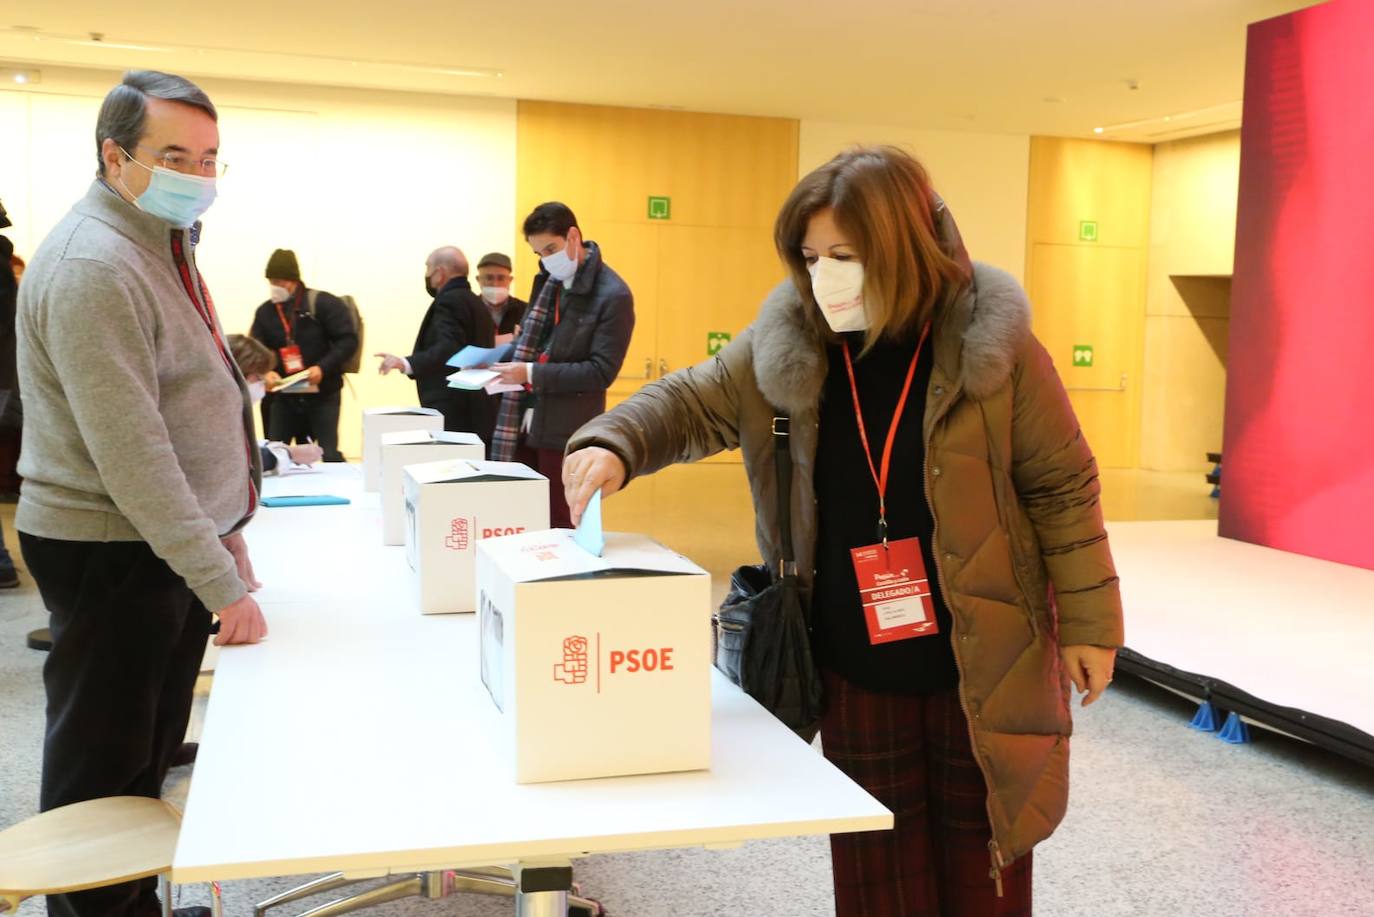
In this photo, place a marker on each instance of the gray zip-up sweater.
(137, 426)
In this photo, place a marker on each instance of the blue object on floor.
(1216, 492)
(1235, 732)
(1205, 720)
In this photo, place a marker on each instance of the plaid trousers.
(915, 756)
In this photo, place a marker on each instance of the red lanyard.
(880, 479)
(290, 339)
(207, 315)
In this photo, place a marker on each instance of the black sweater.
(847, 502)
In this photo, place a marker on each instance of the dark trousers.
(914, 755)
(549, 463)
(128, 637)
(297, 418)
(9, 460)
(458, 408)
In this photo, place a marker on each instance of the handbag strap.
(782, 465)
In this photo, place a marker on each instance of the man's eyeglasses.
(178, 161)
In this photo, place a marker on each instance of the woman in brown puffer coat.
(938, 460)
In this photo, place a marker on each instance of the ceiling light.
(446, 71)
(1176, 116)
(98, 40)
(116, 45)
(21, 77)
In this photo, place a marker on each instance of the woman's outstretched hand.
(585, 472)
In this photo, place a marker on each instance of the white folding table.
(357, 739)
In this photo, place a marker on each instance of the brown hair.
(884, 203)
(253, 358)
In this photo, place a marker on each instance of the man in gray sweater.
(140, 463)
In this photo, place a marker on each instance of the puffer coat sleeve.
(685, 417)
(1056, 479)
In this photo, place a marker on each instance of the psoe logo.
(573, 669)
(457, 537)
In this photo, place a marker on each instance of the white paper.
(472, 379)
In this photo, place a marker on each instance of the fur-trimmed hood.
(977, 334)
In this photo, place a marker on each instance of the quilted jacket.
(1021, 549)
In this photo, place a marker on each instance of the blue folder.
(305, 500)
(471, 356)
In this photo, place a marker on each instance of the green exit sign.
(1083, 355)
(660, 208)
(716, 341)
(1087, 231)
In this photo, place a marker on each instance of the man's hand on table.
(241, 622)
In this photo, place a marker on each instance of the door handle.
(662, 367)
(648, 367)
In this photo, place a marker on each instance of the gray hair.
(124, 112)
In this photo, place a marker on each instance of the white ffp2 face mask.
(839, 290)
(257, 390)
(560, 267)
(278, 294)
(495, 295)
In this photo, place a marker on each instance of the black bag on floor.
(763, 639)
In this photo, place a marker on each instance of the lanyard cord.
(880, 477)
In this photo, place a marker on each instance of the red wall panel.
(1298, 471)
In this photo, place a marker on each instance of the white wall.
(982, 177)
(363, 185)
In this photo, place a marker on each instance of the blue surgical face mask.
(176, 197)
(560, 266)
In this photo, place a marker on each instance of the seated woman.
(255, 362)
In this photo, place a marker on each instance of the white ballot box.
(414, 447)
(377, 421)
(600, 666)
(450, 507)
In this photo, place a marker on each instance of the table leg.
(324, 883)
(542, 891)
(411, 887)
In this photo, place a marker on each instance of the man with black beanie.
(307, 330)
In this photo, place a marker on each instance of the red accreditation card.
(895, 591)
(291, 359)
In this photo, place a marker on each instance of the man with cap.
(494, 277)
(507, 312)
(455, 318)
(308, 330)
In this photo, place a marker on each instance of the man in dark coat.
(570, 350)
(455, 318)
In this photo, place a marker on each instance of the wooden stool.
(87, 845)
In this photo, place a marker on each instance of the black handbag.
(763, 634)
